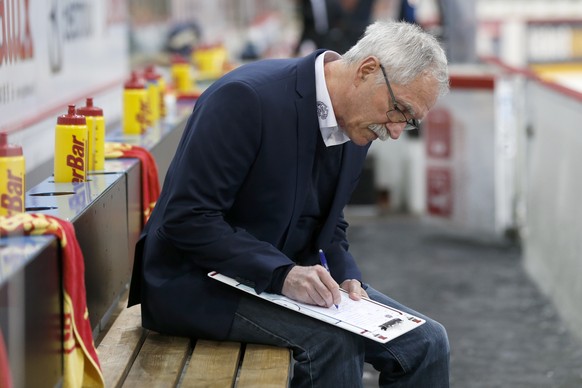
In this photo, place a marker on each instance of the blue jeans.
(326, 356)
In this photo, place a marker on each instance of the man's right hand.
(312, 285)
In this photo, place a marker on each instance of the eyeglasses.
(396, 115)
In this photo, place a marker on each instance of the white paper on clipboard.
(366, 317)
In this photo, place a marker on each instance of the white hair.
(405, 51)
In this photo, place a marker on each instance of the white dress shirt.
(330, 131)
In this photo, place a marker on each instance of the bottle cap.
(89, 109)
(8, 149)
(150, 73)
(135, 82)
(71, 118)
(176, 59)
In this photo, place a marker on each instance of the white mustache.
(380, 130)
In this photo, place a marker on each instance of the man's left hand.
(354, 289)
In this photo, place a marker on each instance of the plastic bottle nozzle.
(8, 149)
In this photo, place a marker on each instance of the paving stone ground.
(503, 332)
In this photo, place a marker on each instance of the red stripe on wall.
(57, 109)
(471, 81)
(530, 74)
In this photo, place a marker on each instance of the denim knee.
(437, 342)
(330, 357)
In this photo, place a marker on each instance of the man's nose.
(395, 129)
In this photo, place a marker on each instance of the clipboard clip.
(390, 323)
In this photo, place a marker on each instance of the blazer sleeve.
(219, 147)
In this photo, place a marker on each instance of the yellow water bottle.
(12, 171)
(153, 91)
(162, 87)
(96, 135)
(210, 60)
(135, 106)
(181, 75)
(70, 163)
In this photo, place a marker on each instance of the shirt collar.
(331, 133)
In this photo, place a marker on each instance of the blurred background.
(485, 197)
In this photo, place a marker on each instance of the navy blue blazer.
(234, 190)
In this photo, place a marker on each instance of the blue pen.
(323, 261)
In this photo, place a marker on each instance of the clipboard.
(366, 317)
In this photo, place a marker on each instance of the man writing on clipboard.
(267, 162)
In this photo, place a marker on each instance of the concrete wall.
(553, 228)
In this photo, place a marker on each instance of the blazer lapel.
(307, 132)
(353, 157)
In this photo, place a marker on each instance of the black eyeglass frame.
(410, 123)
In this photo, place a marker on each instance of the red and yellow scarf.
(81, 364)
(149, 172)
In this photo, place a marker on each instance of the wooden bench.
(132, 356)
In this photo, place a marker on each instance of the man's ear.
(368, 66)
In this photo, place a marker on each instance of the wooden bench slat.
(120, 346)
(131, 356)
(264, 366)
(213, 365)
(159, 362)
